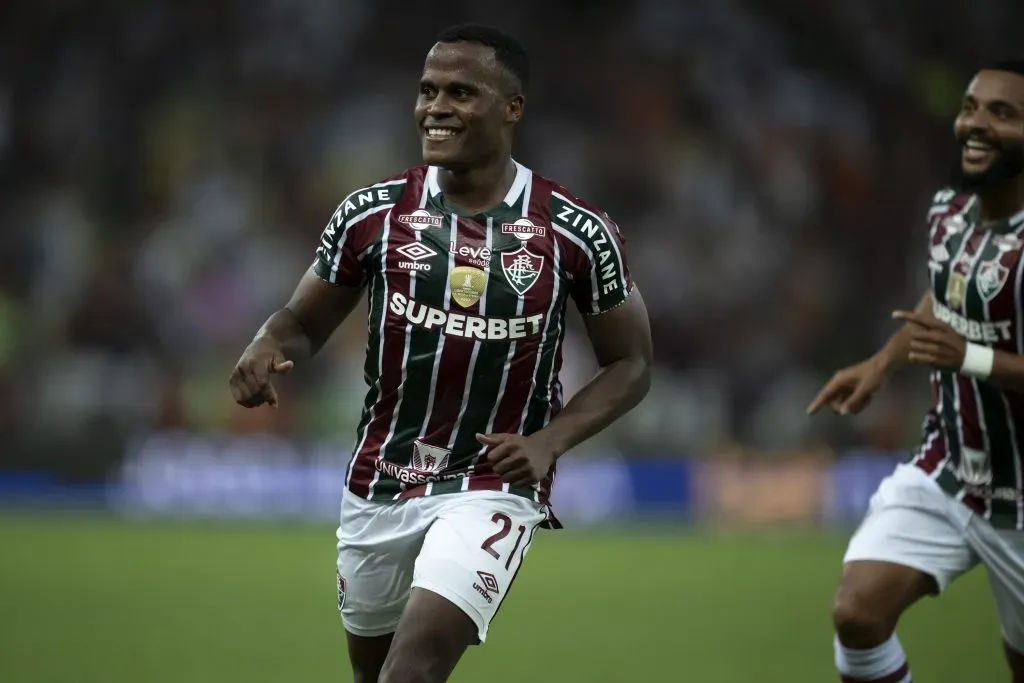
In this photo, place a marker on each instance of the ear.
(514, 109)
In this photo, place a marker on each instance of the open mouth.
(440, 133)
(978, 152)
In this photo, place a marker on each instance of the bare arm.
(894, 356)
(936, 344)
(308, 320)
(294, 333)
(850, 390)
(621, 339)
(1008, 371)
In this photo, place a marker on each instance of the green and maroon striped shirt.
(973, 437)
(466, 321)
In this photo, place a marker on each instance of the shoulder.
(564, 199)
(379, 195)
(577, 218)
(947, 202)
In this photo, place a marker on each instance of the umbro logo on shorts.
(486, 585)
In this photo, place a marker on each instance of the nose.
(976, 121)
(439, 107)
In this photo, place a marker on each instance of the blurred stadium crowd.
(168, 165)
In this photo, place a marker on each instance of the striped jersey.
(466, 321)
(973, 437)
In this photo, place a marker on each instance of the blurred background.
(167, 166)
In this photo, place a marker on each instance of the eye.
(427, 91)
(1003, 112)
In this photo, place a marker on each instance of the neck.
(476, 190)
(1001, 202)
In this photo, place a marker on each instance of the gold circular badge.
(467, 285)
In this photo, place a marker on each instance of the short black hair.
(1014, 65)
(507, 50)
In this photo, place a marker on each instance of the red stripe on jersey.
(970, 415)
(540, 200)
(979, 505)
(449, 390)
(392, 353)
(483, 478)
(511, 405)
(457, 352)
(522, 370)
(933, 452)
(361, 475)
(970, 427)
(1015, 403)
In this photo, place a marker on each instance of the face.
(990, 131)
(466, 108)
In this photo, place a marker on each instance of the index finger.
(270, 394)
(500, 452)
(827, 393)
(915, 318)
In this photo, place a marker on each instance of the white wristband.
(978, 361)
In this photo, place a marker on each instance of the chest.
(975, 272)
(489, 266)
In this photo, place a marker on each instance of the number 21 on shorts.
(505, 524)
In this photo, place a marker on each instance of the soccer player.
(468, 263)
(960, 501)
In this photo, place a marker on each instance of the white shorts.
(912, 522)
(466, 547)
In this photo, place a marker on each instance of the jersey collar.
(1011, 224)
(1017, 220)
(511, 198)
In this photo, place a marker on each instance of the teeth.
(974, 144)
(440, 132)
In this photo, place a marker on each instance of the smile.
(977, 151)
(435, 134)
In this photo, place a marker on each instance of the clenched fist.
(517, 459)
(250, 380)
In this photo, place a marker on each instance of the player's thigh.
(367, 656)
(1002, 552)
(1015, 659)
(474, 549)
(377, 548)
(431, 638)
(911, 543)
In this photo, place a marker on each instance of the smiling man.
(960, 501)
(469, 263)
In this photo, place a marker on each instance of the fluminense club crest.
(522, 269)
(990, 278)
(427, 458)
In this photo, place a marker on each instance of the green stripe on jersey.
(441, 487)
(377, 294)
(422, 348)
(948, 410)
(539, 404)
(491, 370)
(1001, 452)
(992, 409)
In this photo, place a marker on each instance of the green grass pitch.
(99, 600)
